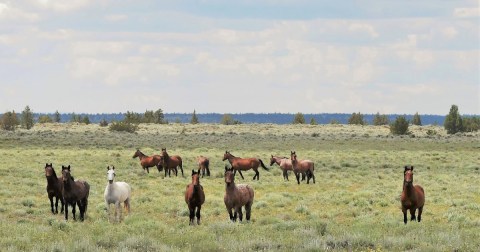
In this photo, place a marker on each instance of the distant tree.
(334, 121)
(123, 126)
(86, 120)
(103, 123)
(177, 120)
(227, 119)
(44, 119)
(299, 118)
(313, 121)
(399, 126)
(416, 119)
(194, 119)
(56, 117)
(9, 121)
(133, 117)
(159, 117)
(380, 119)
(356, 119)
(27, 118)
(148, 117)
(453, 121)
(471, 124)
(75, 118)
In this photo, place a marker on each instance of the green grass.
(353, 206)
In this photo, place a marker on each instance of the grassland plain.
(353, 206)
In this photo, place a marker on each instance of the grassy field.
(354, 204)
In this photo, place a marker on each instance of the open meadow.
(354, 204)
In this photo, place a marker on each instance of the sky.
(251, 56)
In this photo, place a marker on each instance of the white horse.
(116, 193)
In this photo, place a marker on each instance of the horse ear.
(411, 168)
(193, 172)
(406, 167)
(113, 167)
(46, 164)
(108, 167)
(198, 172)
(68, 167)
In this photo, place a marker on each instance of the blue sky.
(101, 56)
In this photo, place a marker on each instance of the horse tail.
(262, 164)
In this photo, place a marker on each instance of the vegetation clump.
(299, 118)
(123, 126)
(9, 121)
(399, 126)
(356, 119)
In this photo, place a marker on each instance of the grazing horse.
(413, 197)
(203, 164)
(74, 192)
(194, 197)
(302, 166)
(237, 196)
(244, 164)
(171, 162)
(116, 193)
(54, 187)
(148, 161)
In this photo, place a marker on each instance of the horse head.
(408, 175)
(66, 176)
(226, 155)
(229, 176)
(137, 153)
(293, 156)
(110, 174)
(196, 177)
(49, 170)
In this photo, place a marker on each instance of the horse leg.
(285, 175)
(192, 215)
(56, 204)
(126, 204)
(248, 210)
(240, 214)
(420, 210)
(412, 214)
(63, 204)
(148, 170)
(404, 210)
(313, 176)
(230, 213)
(66, 211)
(51, 203)
(74, 204)
(257, 174)
(208, 172)
(181, 168)
(198, 214)
(308, 177)
(241, 175)
(298, 178)
(235, 214)
(118, 211)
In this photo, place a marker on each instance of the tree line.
(129, 121)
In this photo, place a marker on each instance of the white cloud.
(12, 13)
(467, 12)
(116, 17)
(64, 6)
(365, 28)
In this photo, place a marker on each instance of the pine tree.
(313, 121)
(159, 118)
(56, 117)
(227, 119)
(194, 119)
(453, 121)
(399, 126)
(299, 118)
(417, 120)
(356, 119)
(27, 118)
(380, 119)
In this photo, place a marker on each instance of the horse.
(412, 197)
(148, 161)
(285, 164)
(203, 164)
(54, 188)
(116, 193)
(194, 197)
(237, 196)
(302, 166)
(74, 192)
(170, 162)
(244, 164)
(167, 169)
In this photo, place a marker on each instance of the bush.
(356, 119)
(44, 119)
(9, 121)
(103, 123)
(313, 121)
(471, 124)
(417, 120)
(400, 126)
(299, 119)
(380, 119)
(123, 126)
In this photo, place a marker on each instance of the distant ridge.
(274, 118)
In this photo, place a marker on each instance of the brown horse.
(171, 162)
(148, 161)
(413, 197)
(54, 187)
(194, 197)
(203, 163)
(237, 196)
(302, 166)
(244, 164)
(74, 192)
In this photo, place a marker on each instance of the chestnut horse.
(302, 166)
(413, 197)
(237, 196)
(74, 192)
(171, 162)
(54, 187)
(203, 163)
(244, 164)
(147, 161)
(194, 197)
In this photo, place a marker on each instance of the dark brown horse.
(413, 197)
(302, 166)
(203, 164)
(237, 196)
(54, 187)
(244, 164)
(74, 192)
(194, 197)
(148, 161)
(170, 162)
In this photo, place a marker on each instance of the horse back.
(245, 194)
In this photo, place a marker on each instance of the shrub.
(9, 121)
(194, 119)
(56, 117)
(103, 123)
(399, 126)
(123, 126)
(313, 121)
(380, 119)
(44, 119)
(416, 119)
(471, 124)
(227, 119)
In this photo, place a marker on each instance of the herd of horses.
(75, 192)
